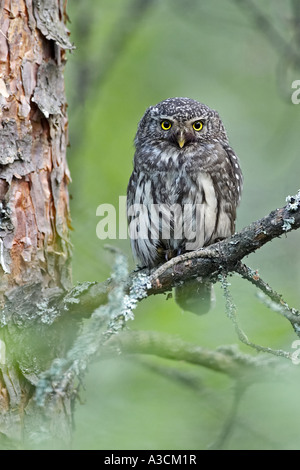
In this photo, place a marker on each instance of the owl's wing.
(219, 184)
(235, 173)
(144, 247)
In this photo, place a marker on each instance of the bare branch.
(265, 25)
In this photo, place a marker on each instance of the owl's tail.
(195, 296)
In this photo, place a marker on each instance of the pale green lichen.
(73, 297)
(46, 313)
(138, 291)
(287, 224)
(293, 201)
(128, 302)
(105, 321)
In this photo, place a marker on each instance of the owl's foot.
(137, 269)
(194, 296)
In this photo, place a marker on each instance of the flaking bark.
(34, 174)
(34, 214)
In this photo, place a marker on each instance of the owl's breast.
(179, 186)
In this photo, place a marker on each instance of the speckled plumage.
(202, 174)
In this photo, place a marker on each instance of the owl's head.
(180, 122)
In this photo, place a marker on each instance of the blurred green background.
(131, 54)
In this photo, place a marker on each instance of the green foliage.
(130, 56)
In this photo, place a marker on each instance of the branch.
(227, 360)
(275, 301)
(224, 256)
(118, 296)
(232, 314)
(266, 26)
(288, 50)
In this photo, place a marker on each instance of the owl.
(184, 189)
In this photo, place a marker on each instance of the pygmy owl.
(184, 188)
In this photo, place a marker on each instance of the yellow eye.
(166, 125)
(197, 125)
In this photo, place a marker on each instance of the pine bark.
(34, 209)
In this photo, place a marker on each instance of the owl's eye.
(198, 125)
(166, 125)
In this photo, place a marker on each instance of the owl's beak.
(181, 143)
(181, 140)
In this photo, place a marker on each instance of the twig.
(185, 258)
(276, 302)
(228, 426)
(268, 29)
(182, 377)
(289, 53)
(232, 314)
(227, 360)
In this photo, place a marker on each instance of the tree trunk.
(34, 210)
